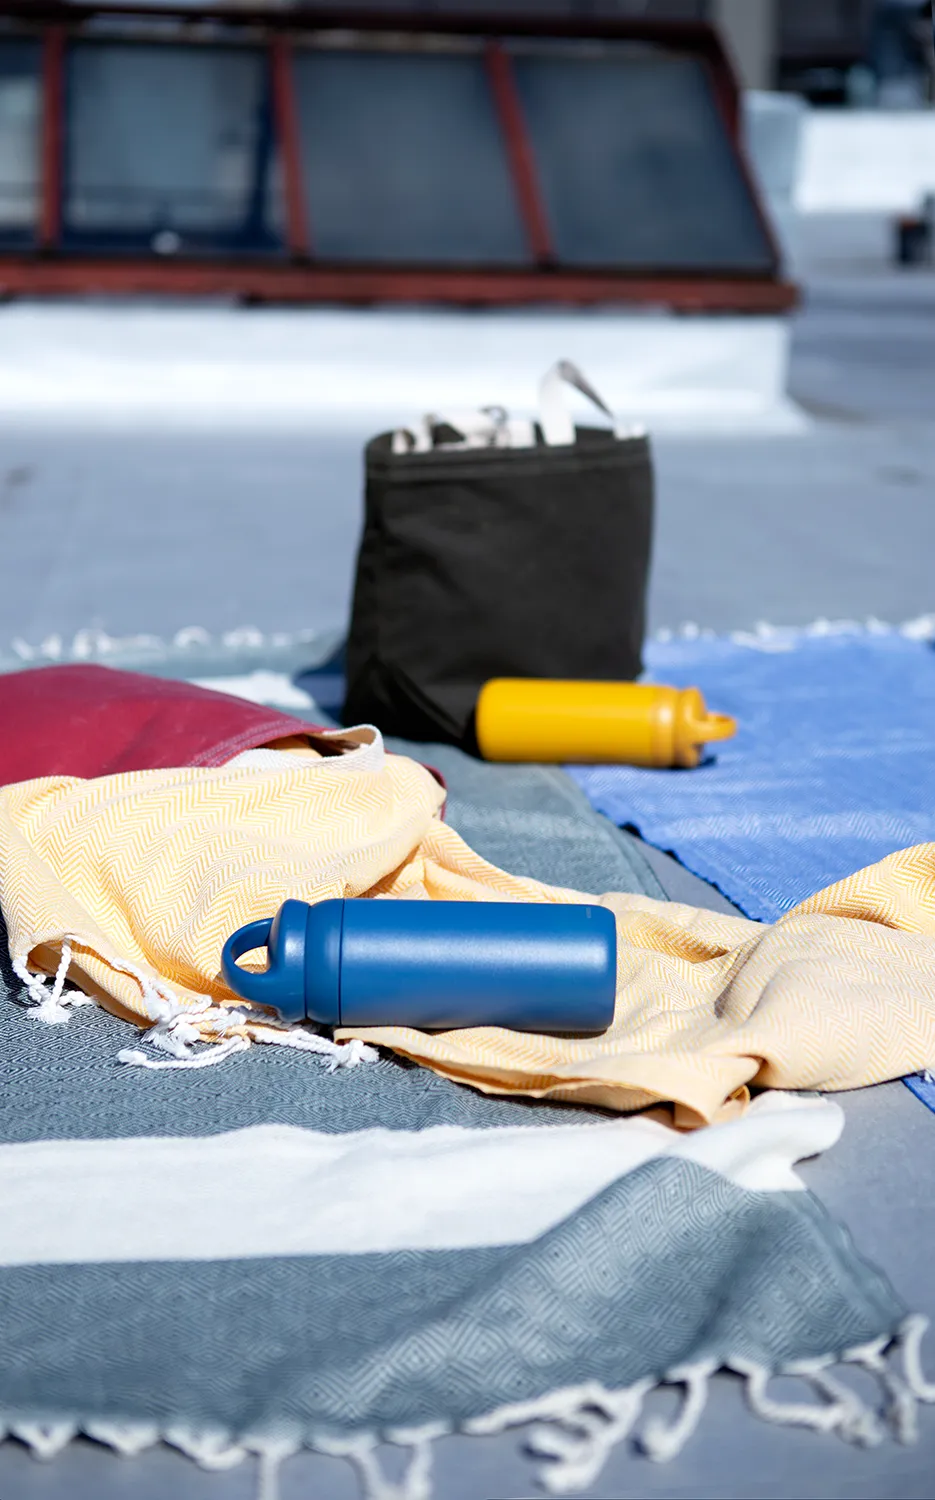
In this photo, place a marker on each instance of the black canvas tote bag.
(496, 548)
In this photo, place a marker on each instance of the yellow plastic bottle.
(597, 723)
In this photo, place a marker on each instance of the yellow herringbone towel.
(129, 885)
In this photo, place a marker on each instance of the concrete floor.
(151, 531)
(150, 534)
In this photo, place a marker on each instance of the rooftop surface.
(135, 528)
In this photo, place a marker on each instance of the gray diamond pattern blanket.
(264, 1256)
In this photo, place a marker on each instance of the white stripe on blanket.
(275, 1190)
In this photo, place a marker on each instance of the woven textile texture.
(129, 885)
(833, 766)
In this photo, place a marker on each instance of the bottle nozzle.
(696, 727)
(715, 727)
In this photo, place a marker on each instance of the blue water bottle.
(434, 965)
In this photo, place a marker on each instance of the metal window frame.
(297, 276)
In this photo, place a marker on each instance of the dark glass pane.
(168, 147)
(19, 140)
(403, 160)
(635, 165)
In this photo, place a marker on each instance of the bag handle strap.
(558, 428)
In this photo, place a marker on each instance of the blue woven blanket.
(833, 766)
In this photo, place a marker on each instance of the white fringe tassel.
(574, 1430)
(360, 1451)
(129, 1439)
(97, 645)
(51, 1007)
(271, 1455)
(844, 1412)
(340, 1054)
(209, 1450)
(216, 1052)
(177, 1027)
(45, 1440)
(578, 1428)
(774, 638)
(660, 1441)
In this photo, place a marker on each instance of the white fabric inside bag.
(493, 427)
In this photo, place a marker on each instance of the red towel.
(95, 721)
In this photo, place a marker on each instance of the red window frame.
(299, 276)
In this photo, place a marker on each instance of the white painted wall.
(865, 161)
(839, 161)
(343, 370)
